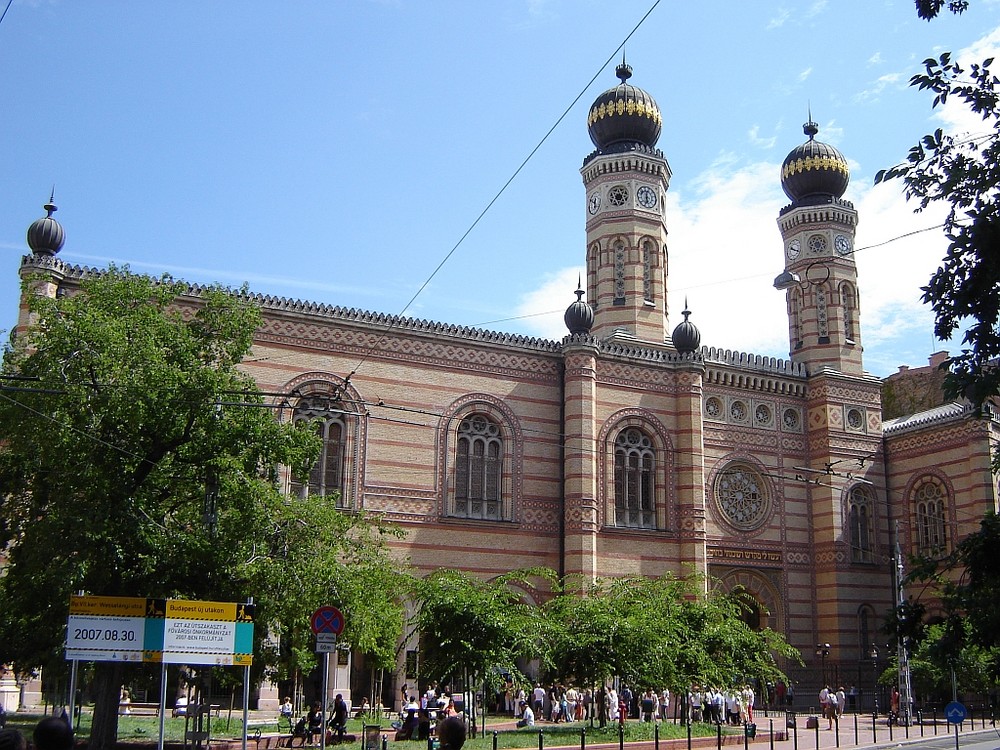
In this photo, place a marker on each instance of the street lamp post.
(823, 651)
(873, 653)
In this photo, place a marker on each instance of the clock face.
(594, 205)
(793, 250)
(842, 244)
(646, 196)
(817, 244)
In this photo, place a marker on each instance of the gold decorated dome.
(625, 114)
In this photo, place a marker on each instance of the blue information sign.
(955, 712)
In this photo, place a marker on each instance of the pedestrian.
(451, 733)
(12, 739)
(527, 716)
(52, 733)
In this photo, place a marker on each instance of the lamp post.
(873, 653)
(823, 651)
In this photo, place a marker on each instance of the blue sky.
(337, 151)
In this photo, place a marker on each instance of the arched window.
(648, 260)
(822, 321)
(866, 636)
(860, 526)
(847, 300)
(929, 508)
(635, 480)
(479, 470)
(326, 476)
(619, 273)
(796, 318)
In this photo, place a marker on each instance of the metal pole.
(72, 692)
(246, 704)
(163, 705)
(322, 705)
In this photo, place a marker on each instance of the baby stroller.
(301, 731)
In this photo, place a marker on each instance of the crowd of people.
(558, 703)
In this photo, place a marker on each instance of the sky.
(343, 151)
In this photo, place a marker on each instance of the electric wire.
(499, 193)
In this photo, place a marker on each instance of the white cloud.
(955, 115)
(875, 59)
(805, 74)
(779, 20)
(873, 92)
(816, 8)
(753, 135)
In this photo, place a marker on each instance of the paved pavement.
(854, 732)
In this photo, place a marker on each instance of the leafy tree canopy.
(962, 171)
(136, 460)
(659, 632)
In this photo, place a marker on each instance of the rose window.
(741, 497)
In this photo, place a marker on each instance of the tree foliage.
(966, 627)
(476, 627)
(962, 171)
(657, 632)
(929, 9)
(136, 460)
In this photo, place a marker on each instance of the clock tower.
(626, 179)
(820, 279)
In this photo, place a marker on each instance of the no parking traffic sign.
(327, 619)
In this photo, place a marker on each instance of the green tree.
(962, 172)
(656, 632)
(318, 555)
(136, 460)
(478, 628)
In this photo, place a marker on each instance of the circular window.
(741, 497)
(854, 419)
(713, 408)
(790, 419)
(738, 411)
(618, 195)
(762, 414)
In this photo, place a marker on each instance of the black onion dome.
(814, 171)
(624, 114)
(579, 316)
(686, 337)
(46, 235)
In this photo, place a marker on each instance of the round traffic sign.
(955, 712)
(327, 619)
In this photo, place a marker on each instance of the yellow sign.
(121, 606)
(195, 610)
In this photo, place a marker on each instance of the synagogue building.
(630, 447)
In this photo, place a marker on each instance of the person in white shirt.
(527, 716)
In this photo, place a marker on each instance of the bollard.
(836, 729)
(496, 738)
(656, 737)
(541, 740)
(795, 735)
(934, 717)
(816, 729)
(621, 737)
(770, 731)
(856, 742)
(689, 732)
(385, 742)
(889, 722)
(583, 739)
(874, 725)
(718, 736)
